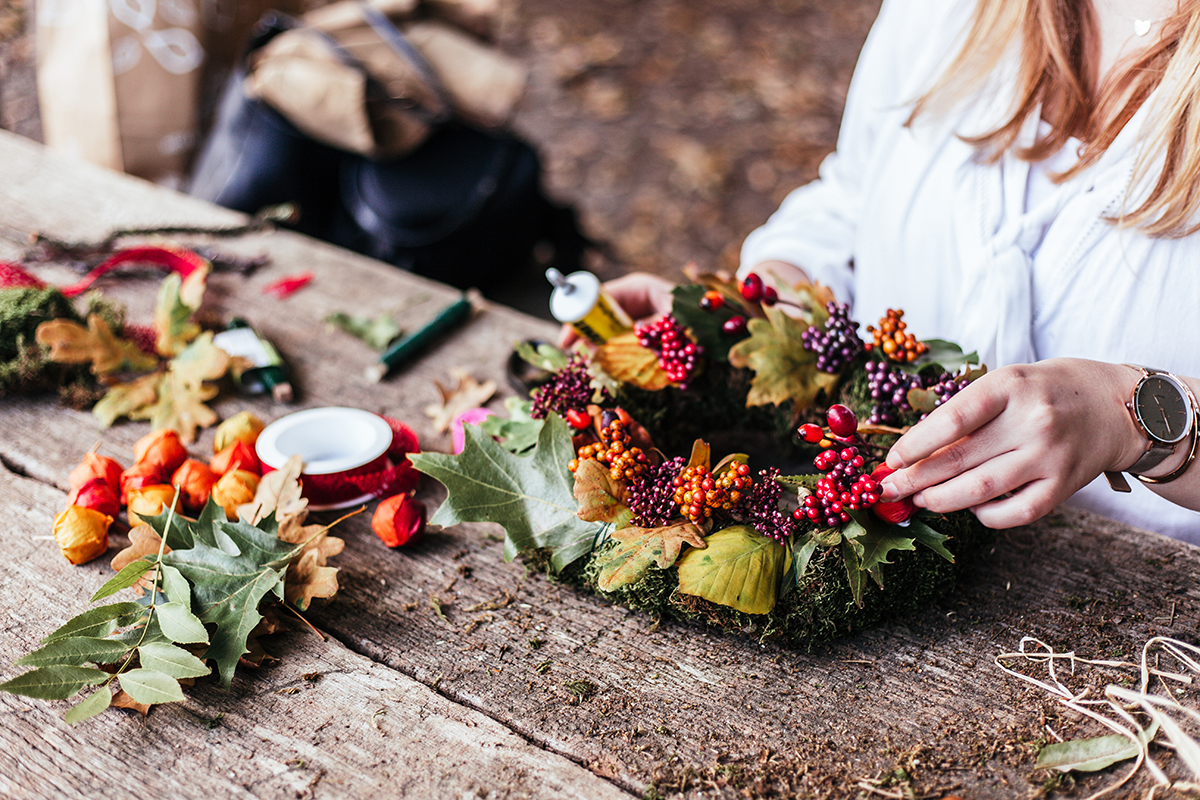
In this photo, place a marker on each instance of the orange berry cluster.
(614, 451)
(698, 493)
(891, 338)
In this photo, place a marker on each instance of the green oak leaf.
(783, 369)
(520, 431)
(740, 568)
(227, 588)
(638, 549)
(923, 534)
(855, 576)
(873, 541)
(531, 497)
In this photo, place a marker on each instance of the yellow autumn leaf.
(624, 359)
(740, 568)
(638, 549)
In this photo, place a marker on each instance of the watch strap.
(1156, 452)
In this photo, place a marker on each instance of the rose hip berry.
(712, 300)
(578, 419)
(811, 433)
(842, 421)
(734, 326)
(752, 288)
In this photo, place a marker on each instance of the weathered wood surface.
(473, 661)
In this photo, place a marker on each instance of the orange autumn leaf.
(143, 542)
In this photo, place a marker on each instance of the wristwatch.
(1165, 412)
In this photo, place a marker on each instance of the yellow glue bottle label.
(581, 302)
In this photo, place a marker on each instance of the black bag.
(466, 207)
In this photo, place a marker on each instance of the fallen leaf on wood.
(467, 393)
(71, 343)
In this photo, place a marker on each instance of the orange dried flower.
(239, 455)
(162, 448)
(95, 465)
(81, 533)
(195, 481)
(149, 501)
(97, 495)
(399, 520)
(234, 488)
(241, 427)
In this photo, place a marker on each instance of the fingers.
(971, 410)
(641, 294)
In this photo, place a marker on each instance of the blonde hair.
(1055, 75)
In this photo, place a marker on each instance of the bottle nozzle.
(559, 280)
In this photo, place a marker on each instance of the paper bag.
(120, 82)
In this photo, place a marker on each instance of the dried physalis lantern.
(241, 427)
(97, 495)
(238, 455)
(95, 465)
(195, 481)
(81, 533)
(399, 520)
(162, 449)
(235, 488)
(149, 501)
(139, 476)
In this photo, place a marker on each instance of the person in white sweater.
(1021, 177)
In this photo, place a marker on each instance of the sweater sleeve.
(815, 226)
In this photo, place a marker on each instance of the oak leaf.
(71, 343)
(178, 300)
(467, 393)
(623, 358)
(598, 495)
(531, 497)
(638, 549)
(783, 369)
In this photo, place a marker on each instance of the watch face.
(1163, 409)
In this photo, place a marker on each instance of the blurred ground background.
(673, 126)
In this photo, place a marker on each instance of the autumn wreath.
(722, 464)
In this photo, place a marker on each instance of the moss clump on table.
(819, 609)
(24, 367)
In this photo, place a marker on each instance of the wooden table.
(401, 700)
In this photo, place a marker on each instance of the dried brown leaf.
(467, 393)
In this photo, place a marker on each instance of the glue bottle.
(267, 372)
(581, 302)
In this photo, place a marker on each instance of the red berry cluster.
(844, 488)
(698, 493)
(678, 355)
(754, 290)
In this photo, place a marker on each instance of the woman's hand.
(641, 294)
(1018, 441)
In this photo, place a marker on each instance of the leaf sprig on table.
(208, 588)
(169, 387)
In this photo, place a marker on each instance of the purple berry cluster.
(945, 387)
(569, 390)
(760, 508)
(838, 343)
(651, 497)
(678, 355)
(889, 392)
(844, 488)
